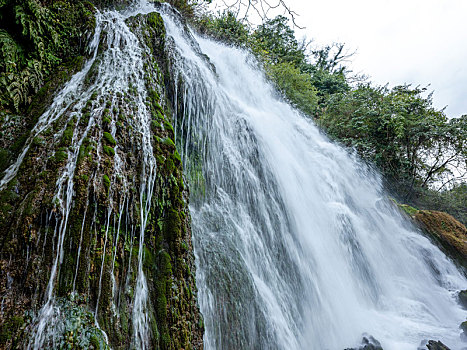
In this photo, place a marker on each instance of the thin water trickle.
(118, 67)
(297, 245)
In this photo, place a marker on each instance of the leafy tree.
(277, 40)
(296, 86)
(409, 140)
(224, 27)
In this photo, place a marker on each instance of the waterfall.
(297, 245)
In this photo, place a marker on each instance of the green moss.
(168, 126)
(106, 181)
(106, 120)
(109, 151)
(109, 139)
(411, 211)
(173, 226)
(153, 96)
(37, 141)
(19, 143)
(176, 157)
(9, 328)
(155, 126)
(60, 156)
(169, 165)
(67, 135)
(149, 259)
(168, 142)
(166, 265)
(155, 20)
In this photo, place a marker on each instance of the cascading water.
(117, 69)
(297, 246)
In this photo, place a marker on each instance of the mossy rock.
(60, 156)
(4, 158)
(9, 328)
(407, 209)
(106, 181)
(109, 151)
(447, 231)
(109, 138)
(436, 345)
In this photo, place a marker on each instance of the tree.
(408, 139)
(295, 86)
(277, 39)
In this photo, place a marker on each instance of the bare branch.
(262, 8)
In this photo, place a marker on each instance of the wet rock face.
(436, 345)
(368, 343)
(94, 222)
(462, 296)
(447, 232)
(463, 335)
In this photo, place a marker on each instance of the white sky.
(397, 41)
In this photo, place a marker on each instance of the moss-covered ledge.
(447, 232)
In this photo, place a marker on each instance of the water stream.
(297, 245)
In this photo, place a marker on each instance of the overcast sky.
(398, 41)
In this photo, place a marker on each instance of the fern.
(47, 35)
(10, 53)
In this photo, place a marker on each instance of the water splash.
(296, 244)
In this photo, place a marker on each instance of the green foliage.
(414, 145)
(225, 27)
(328, 83)
(452, 201)
(296, 86)
(34, 39)
(277, 41)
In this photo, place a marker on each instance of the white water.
(297, 245)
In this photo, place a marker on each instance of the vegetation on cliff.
(93, 142)
(444, 230)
